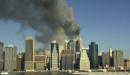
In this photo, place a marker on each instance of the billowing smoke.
(51, 19)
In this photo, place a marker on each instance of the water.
(64, 73)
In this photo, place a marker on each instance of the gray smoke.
(51, 19)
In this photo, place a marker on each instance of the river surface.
(64, 73)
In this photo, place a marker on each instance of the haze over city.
(105, 22)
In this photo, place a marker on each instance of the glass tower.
(93, 55)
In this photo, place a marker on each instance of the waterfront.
(64, 73)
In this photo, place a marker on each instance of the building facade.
(93, 55)
(66, 60)
(1, 56)
(10, 58)
(105, 60)
(84, 61)
(118, 58)
(40, 62)
(54, 59)
(29, 54)
(127, 64)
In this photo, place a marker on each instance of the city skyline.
(104, 22)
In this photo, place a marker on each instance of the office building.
(29, 54)
(127, 64)
(40, 62)
(84, 61)
(100, 60)
(118, 58)
(71, 47)
(10, 58)
(20, 62)
(93, 55)
(66, 60)
(105, 60)
(79, 46)
(1, 56)
(54, 59)
(110, 56)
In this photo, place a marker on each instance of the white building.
(84, 61)
(54, 56)
(10, 58)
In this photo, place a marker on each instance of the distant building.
(29, 54)
(100, 60)
(40, 62)
(20, 62)
(110, 52)
(127, 64)
(10, 58)
(84, 61)
(66, 61)
(118, 58)
(93, 55)
(54, 59)
(79, 45)
(1, 56)
(105, 60)
(71, 48)
(110, 56)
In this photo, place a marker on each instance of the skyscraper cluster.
(69, 56)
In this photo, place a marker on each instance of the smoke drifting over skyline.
(51, 19)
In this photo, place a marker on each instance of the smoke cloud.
(51, 19)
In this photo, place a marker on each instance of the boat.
(4, 73)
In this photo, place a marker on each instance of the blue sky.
(106, 22)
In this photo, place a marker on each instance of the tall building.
(71, 47)
(84, 61)
(110, 52)
(72, 50)
(54, 59)
(66, 60)
(1, 56)
(20, 62)
(29, 54)
(93, 55)
(110, 56)
(105, 60)
(127, 64)
(100, 60)
(10, 58)
(79, 46)
(118, 58)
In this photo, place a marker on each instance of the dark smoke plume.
(51, 19)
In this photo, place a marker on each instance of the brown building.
(40, 62)
(105, 60)
(127, 64)
(118, 58)
(29, 54)
(20, 62)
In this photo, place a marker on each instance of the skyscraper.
(66, 61)
(10, 58)
(105, 60)
(118, 58)
(29, 54)
(84, 61)
(71, 47)
(93, 54)
(54, 59)
(20, 62)
(1, 56)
